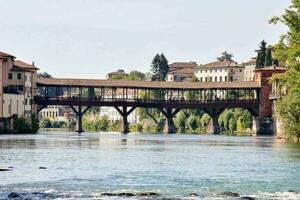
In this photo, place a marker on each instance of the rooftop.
(23, 66)
(218, 64)
(144, 84)
(183, 65)
(5, 55)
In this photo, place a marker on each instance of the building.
(220, 71)
(181, 71)
(18, 87)
(249, 70)
(119, 74)
(57, 113)
(113, 115)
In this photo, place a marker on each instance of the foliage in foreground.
(287, 52)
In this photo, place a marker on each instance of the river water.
(88, 165)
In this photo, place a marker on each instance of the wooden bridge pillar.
(169, 126)
(214, 114)
(79, 114)
(124, 113)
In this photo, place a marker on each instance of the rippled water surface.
(88, 165)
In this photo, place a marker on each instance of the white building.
(57, 113)
(220, 71)
(113, 115)
(249, 71)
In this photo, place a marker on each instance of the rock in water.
(13, 195)
(246, 198)
(42, 167)
(144, 194)
(5, 170)
(229, 194)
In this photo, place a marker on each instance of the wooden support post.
(169, 126)
(214, 126)
(79, 114)
(124, 113)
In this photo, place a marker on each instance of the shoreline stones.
(130, 194)
(229, 194)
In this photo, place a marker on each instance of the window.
(221, 78)
(231, 78)
(231, 70)
(20, 87)
(19, 76)
(216, 70)
(201, 79)
(210, 79)
(225, 78)
(240, 70)
(10, 76)
(216, 79)
(205, 79)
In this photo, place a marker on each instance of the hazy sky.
(89, 38)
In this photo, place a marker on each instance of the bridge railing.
(141, 100)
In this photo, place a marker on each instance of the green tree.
(287, 52)
(136, 76)
(261, 56)
(103, 124)
(180, 122)
(269, 60)
(159, 68)
(225, 56)
(232, 125)
(192, 122)
(45, 123)
(44, 75)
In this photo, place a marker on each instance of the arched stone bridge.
(168, 97)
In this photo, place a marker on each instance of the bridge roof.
(144, 84)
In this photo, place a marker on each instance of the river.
(174, 166)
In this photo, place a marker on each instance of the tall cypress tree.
(159, 68)
(155, 67)
(269, 60)
(261, 58)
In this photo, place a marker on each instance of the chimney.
(33, 63)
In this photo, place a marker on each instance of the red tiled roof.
(184, 71)
(182, 65)
(145, 84)
(224, 63)
(24, 65)
(5, 55)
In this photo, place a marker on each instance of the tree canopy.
(225, 56)
(287, 52)
(159, 67)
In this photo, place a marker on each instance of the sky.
(89, 38)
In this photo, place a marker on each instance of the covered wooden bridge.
(168, 97)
